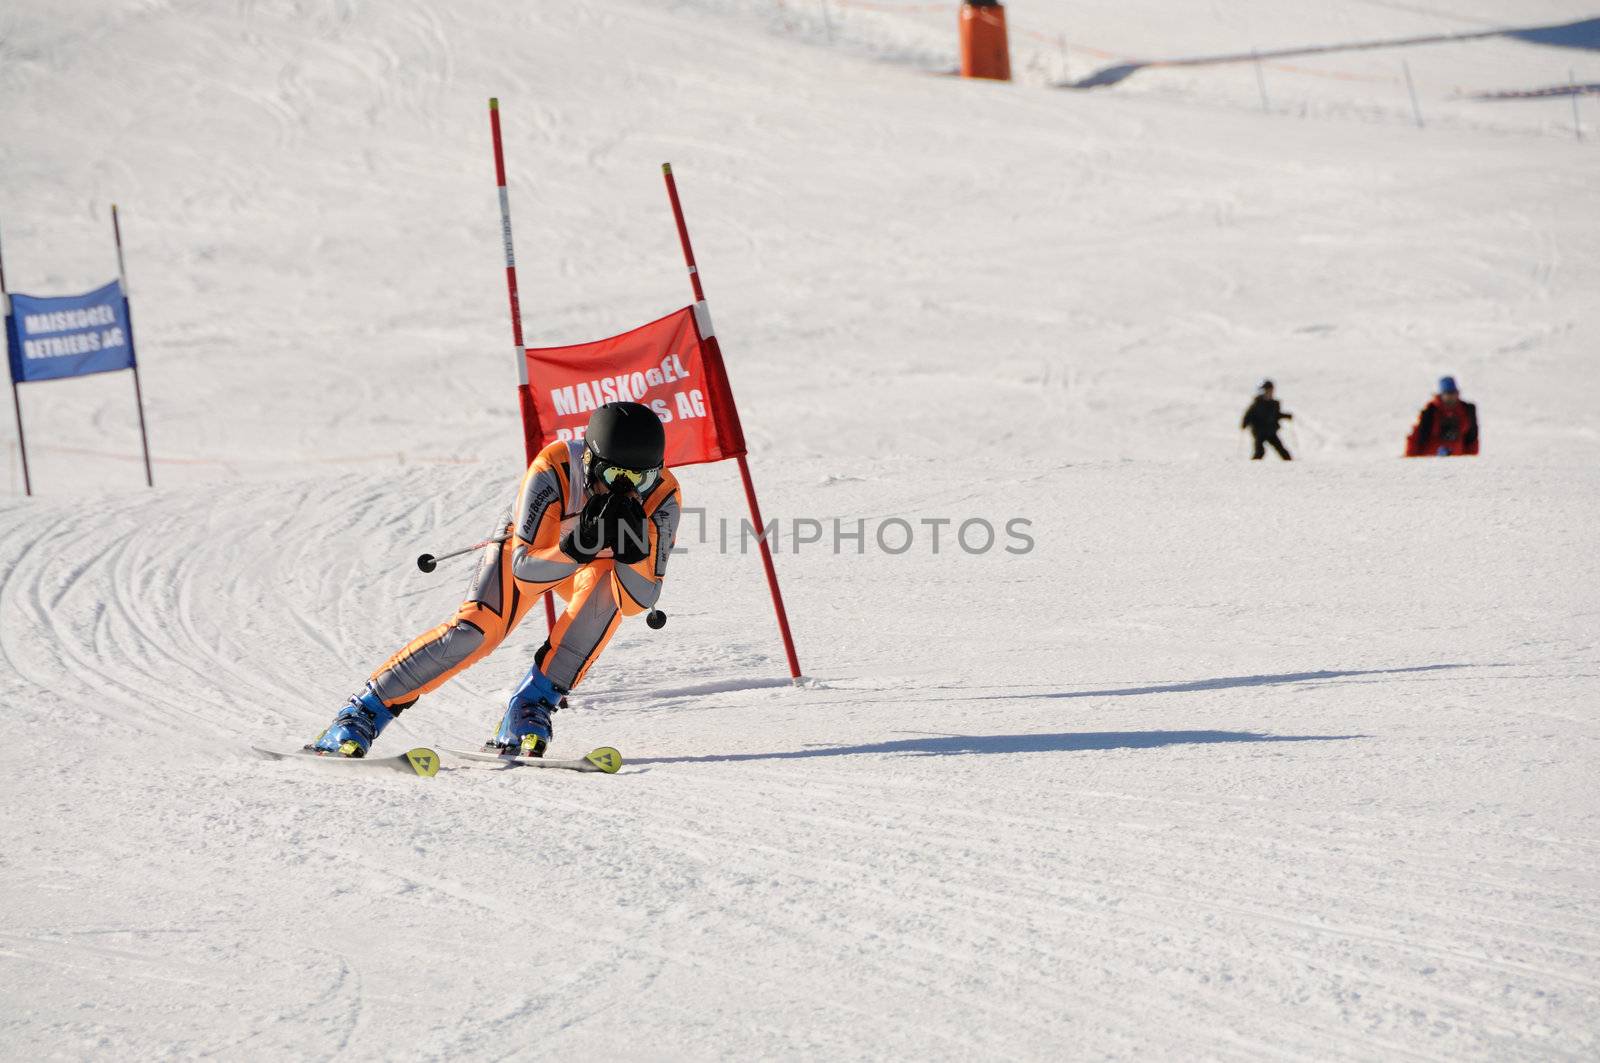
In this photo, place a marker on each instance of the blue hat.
(1447, 386)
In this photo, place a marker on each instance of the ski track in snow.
(1174, 880)
(1241, 761)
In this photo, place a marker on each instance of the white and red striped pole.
(715, 350)
(532, 435)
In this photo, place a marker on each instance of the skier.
(1262, 419)
(594, 520)
(1446, 427)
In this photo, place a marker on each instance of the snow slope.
(1238, 761)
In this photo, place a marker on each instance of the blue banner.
(70, 335)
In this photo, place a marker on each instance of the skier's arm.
(1417, 441)
(1469, 442)
(639, 585)
(537, 556)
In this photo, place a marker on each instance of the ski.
(420, 761)
(604, 759)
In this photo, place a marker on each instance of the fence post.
(1577, 118)
(1261, 82)
(1416, 110)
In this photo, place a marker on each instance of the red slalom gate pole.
(715, 351)
(531, 433)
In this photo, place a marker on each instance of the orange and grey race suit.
(512, 575)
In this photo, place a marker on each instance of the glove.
(629, 537)
(584, 540)
(613, 521)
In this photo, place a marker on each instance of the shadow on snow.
(1222, 683)
(964, 745)
(1583, 34)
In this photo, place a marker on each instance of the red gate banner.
(673, 365)
(665, 365)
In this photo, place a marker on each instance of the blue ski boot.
(525, 729)
(356, 726)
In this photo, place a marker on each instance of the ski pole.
(429, 562)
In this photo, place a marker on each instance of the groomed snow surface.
(1239, 761)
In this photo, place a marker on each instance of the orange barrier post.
(984, 50)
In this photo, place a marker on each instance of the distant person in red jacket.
(1446, 427)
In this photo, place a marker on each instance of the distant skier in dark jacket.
(1262, 419)
(1446, 427)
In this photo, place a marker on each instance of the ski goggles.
(641, 480)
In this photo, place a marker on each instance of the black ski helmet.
(625, 434)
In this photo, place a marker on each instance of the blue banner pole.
(16, 398)
(127, 309)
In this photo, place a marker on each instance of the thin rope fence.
(392, 457)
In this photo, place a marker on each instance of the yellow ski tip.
(605, 759)
(494, 103)
(423, 761)
(666, 168)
